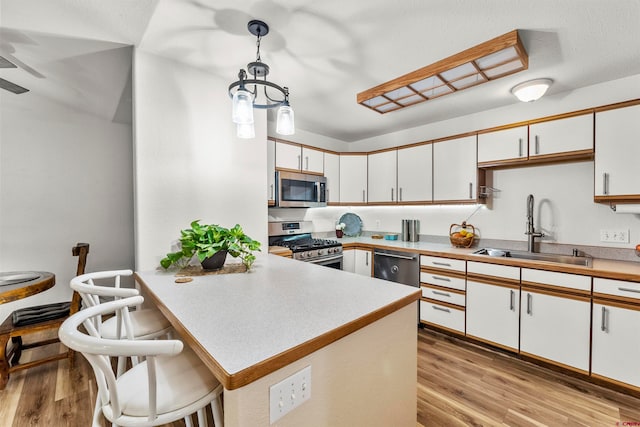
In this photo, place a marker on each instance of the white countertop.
(246, 319)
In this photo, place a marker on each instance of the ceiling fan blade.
(12, 87)
(5, 63)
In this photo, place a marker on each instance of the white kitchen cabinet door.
(312, 160)
(332, 173)
(415, 174)
(349, 260)
(288, 156)
(363, 262)
(353, 178)
(455, 170)
(493, 313)
(561, 136)
(556, 328)
(617, 144)
(503, 145)
(271, 171)
(615, 350)
(382, 177)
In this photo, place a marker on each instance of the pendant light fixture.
(258, 92)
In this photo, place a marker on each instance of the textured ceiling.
(328, 51)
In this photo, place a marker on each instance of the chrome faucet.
(531, 231)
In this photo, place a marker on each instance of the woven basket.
(458, 241)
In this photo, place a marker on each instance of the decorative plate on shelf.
(353, 224)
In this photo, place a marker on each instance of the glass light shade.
(245, 131)
(242, 107)
(531, 90)
(285, 124)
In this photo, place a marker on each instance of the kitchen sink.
(586, 261)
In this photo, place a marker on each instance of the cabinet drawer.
(444, 296)
(443, 263)
(442, 315)
(616, 287)
(442, 280)
(565, 280)
(494, 270)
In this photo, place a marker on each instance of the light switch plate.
(614, 236)
(289, 393)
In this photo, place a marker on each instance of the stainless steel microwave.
(300, 190)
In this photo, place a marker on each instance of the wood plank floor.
(459, 384)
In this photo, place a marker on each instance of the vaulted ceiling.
(327, 51)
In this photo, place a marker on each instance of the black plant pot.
(214, 262)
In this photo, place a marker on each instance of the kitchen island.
(255, 329)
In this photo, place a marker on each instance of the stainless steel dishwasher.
(401, 267)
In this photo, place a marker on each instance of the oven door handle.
(323, 260)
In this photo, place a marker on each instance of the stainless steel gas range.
(296, 235)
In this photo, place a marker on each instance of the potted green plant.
(211, 243)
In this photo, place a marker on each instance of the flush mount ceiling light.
(258, 92)
(532, 90)
(490, 60)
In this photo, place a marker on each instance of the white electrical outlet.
(377, 224)
(289, 393)
(614, 236)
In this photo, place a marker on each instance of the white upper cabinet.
(382, 172)
(271, 171)
(332, 173)
(561, 136)
(503, 146)
(353, 178)
(617, 144)
(296, 157)
(312, 160)
(415, 174)
(455, 170)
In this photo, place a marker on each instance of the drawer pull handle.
(637, 291)
(529, 309)
(519, 147)
(512, 300)
(603, 326)
(446, 279)
(537, 144)
(441, 263)
(446, 310)
(444, 294)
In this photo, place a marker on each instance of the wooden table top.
(15, 285)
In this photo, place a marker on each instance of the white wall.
(564, 206)
(188, 162)
(65, 177)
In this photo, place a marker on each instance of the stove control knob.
(320, 252)
(330, 250)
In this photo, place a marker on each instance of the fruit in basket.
(463, 232)
(457, 235)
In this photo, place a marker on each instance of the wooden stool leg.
(4, 363)
(17, 352)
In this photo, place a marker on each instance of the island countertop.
(247, 325)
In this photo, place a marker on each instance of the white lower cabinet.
(556, 328)
(442, 315)
(616, 343)
(493, 312)
(357, 261)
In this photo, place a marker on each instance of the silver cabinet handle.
(392, 194)
(441, 263)
(529, 309)
(446, 279)
(519, 147)
(400, 195)
(603, 326)
(327, 193)
(446, 310)
(444, 294)
(366, 259)
(637, 291)
(537, 144)
(363, 199)
(605, 183)
(306, 159)
(471, 190)
(299, 161)
(272, 195)
(512, 300)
